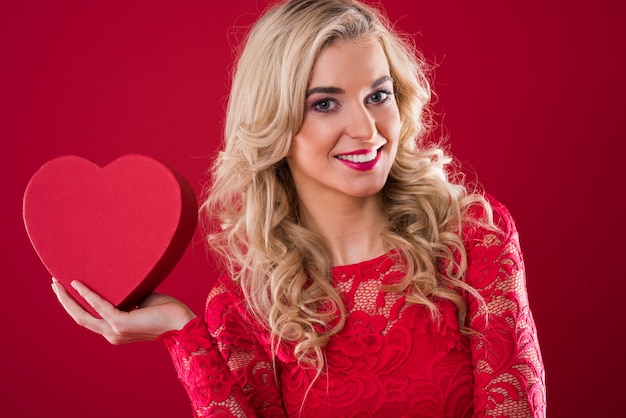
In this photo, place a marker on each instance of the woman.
(360, 281)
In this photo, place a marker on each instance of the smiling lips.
(362, 160)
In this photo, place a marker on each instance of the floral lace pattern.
(508, 365)
(391, 358)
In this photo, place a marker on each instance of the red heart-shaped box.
(120, 229)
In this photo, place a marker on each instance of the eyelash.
(386, 93)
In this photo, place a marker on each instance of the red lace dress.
(390, 360)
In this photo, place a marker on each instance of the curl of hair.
(251, 205)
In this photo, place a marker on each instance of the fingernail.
(54, 280)
(54, 289)
(73, 284)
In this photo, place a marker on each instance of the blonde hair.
(282, 267)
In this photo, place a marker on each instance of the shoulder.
(489, 223)
(224, 300)
(229, 319)
(226, 287)
(492, 246)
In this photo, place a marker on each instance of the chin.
(367, 191)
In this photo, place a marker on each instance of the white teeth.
(359, 158)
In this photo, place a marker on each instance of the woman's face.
(350, 134)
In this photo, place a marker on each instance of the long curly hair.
(251, 203)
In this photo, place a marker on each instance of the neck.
(352, 229)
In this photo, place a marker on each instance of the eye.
(325, 105)
(381, 96)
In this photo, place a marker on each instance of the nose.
(360, 123)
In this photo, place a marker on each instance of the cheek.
(317, 130)
(303, 146)
(390, 117)
(393, 136)
(315, 136)
(300, 141)
(392, 126)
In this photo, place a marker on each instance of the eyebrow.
(337, 90)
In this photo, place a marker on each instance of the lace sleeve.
(508, 368)
(222, 367)
(211, 387)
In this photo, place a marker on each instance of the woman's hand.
(157, 314)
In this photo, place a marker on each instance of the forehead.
(350, 62)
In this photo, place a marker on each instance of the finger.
(76, 312)
(116, 326)
(102, 307)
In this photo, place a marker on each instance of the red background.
(530, 94)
